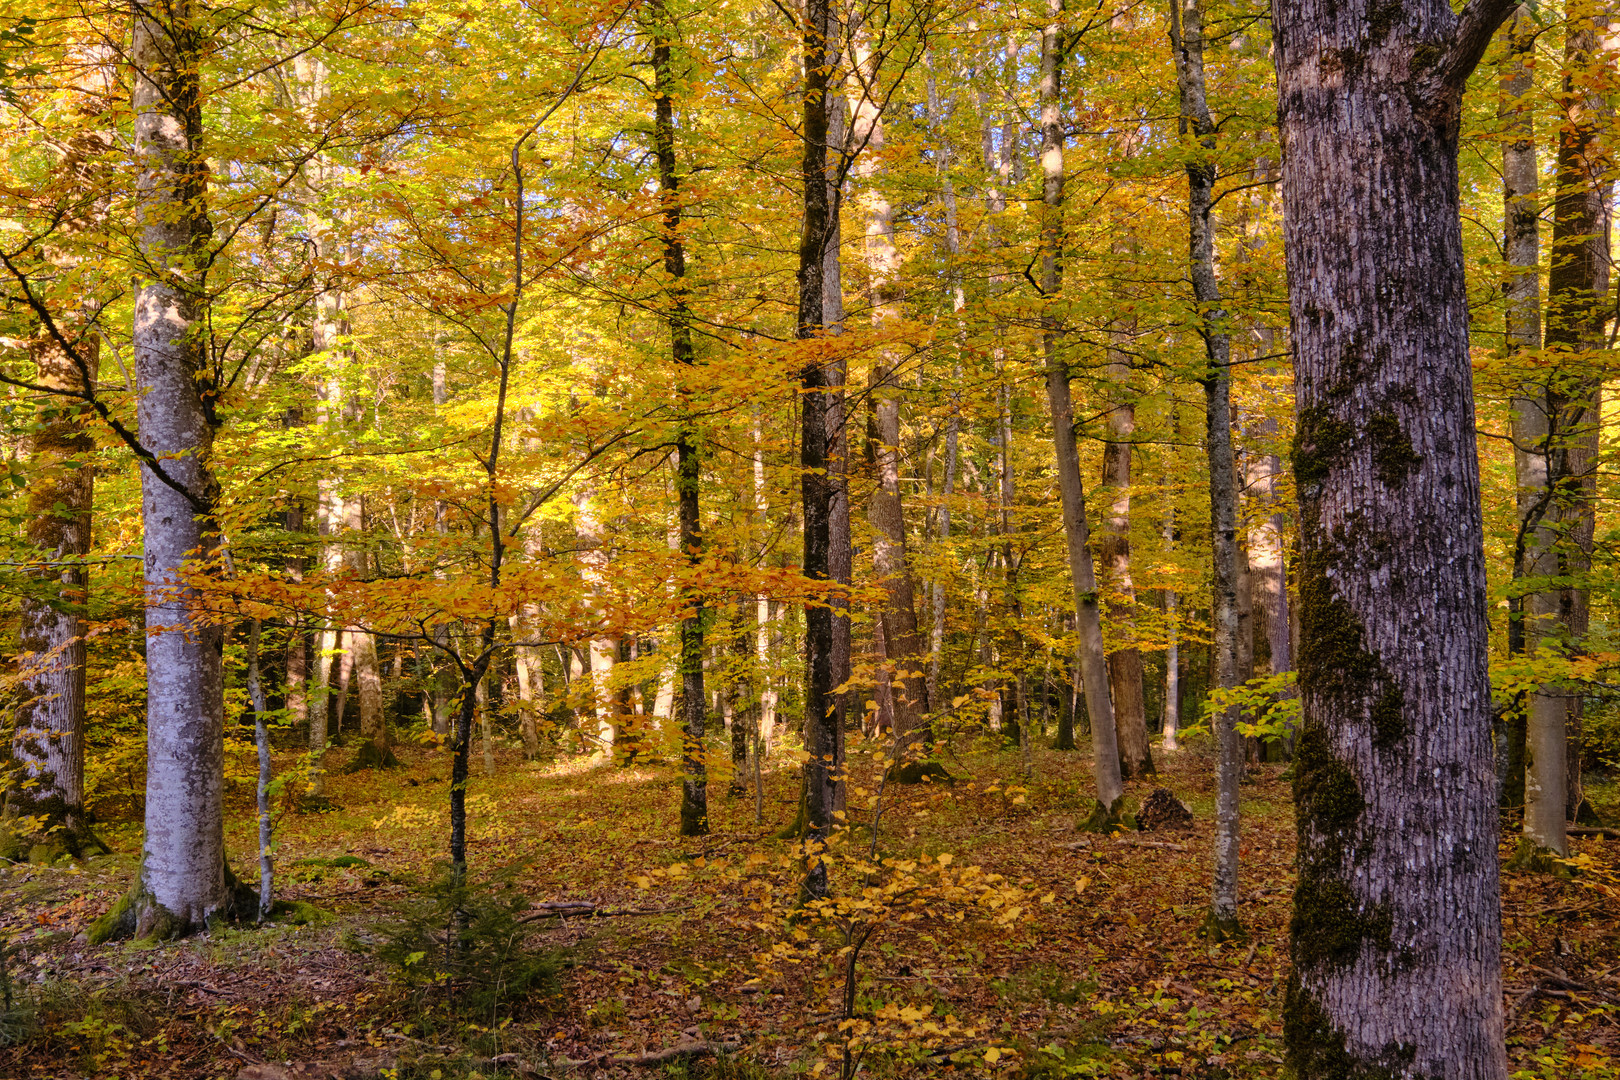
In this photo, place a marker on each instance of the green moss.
(1314, 1048)
(1218, 928)
(1107, 820)
(118, 923)
(1383, 18)
(1320, 441)
(373, 755)
(299, 913)
(1330, 927)
(1531, 858)
(1392, 450)
(1388, 718)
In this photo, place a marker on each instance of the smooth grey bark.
(183, 877)
(694, 782)
(1187, 42)
(1076, 531)
(1395, 939)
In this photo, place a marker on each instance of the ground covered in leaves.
(990, 937)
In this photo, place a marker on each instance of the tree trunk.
(1578, 307)
(818, 452)
(1076, 531)
(48, 740)
(694, 783)
(261, 742)
(1114, 551)
(1396, 932)
(1187, 41)
(184, 881)
(1172, 618)
(1528, 615)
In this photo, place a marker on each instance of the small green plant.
(469, 942)
(16, 1004)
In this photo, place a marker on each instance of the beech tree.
(1395, 938)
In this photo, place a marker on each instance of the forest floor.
(1096, 971)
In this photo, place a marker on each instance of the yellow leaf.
(1080, 884)
(992, 1055)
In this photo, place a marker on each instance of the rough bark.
(1187, 42)
(1076, 531)
(1396, 934)
(48, 741)
(694, 781)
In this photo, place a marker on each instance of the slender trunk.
(184, 880)
(694, 784)
(1114, 551)
(1521, 250)
(953, 422)
(1172, 619)
(1093, 664)
(1187, 30)
(1578, 307)
(1396, 932)
(818, 447)
(261, 742)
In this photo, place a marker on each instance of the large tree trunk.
(1187, 29)
(1076, 531)
(184, 881)
(1396, 932)
(695, 782)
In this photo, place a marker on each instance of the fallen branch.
(1593, 830)
(651, 1057)
(591, 911)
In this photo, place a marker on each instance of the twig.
(1592, 830)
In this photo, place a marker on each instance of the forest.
(843, 538)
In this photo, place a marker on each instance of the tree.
(184, 882)
(694, 788)
(1395, 937)
(823, 730)
(1076, 531)
(44, 815)
(1187, 39)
